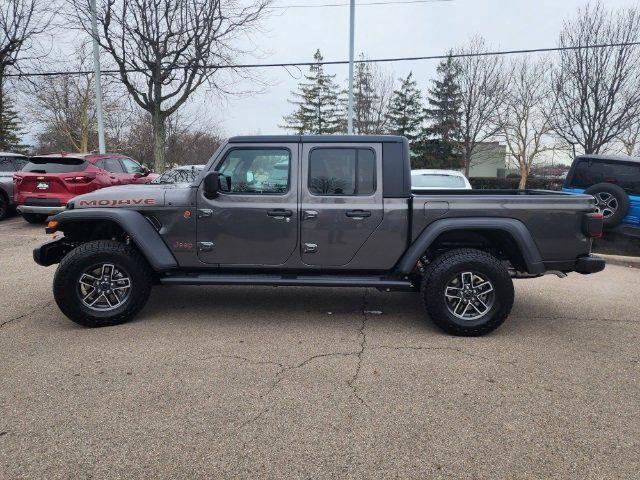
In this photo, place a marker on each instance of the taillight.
(592, 224)
(17, 180)
(80, 179)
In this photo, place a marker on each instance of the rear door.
(255, 222)
(341, 200)
(115, 170)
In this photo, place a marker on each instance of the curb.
(633, 262)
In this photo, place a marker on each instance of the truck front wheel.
(467, 292)
(102, 283)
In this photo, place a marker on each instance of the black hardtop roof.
(317, 139)
(609, 158)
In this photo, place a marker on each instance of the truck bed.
(553, 218)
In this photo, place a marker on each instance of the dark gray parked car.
(9, 164)
(332, 211)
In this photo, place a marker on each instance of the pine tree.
(9, 126)
(445, 103)
(440, 147)
(406, 112)
(318, 110)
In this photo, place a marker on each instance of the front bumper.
(50, 252)
(590, 264)
(44, 210)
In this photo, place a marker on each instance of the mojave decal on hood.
(124, 196)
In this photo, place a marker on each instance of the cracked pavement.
(239, 382)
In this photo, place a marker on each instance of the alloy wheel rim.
(607, 204)
(469, 296)
(104, 287)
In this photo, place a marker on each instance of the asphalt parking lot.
(237, 382)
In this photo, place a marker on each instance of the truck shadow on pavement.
(235, 305)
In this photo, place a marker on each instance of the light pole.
(98, 80)
(352, 14)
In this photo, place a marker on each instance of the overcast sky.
(399, 30)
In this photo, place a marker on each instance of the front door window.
(257, 171)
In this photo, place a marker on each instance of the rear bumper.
(589, 264)
(41, 209)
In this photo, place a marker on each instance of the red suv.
(45, 184)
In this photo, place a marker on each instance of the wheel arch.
(507, 233)
(105, 223)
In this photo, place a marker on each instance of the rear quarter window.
(55, 165)
(6, 165)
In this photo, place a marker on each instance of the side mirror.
(211, 185)
(145, 171)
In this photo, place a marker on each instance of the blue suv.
(615, 184)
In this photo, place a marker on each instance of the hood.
(124, 196)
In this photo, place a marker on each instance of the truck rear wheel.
(102, 283)
(467, 292)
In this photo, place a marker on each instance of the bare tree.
(630, 139)
(598, 89)
(482, 91)
(187, 141)
(166, 49)
(524, 118)
(372, 91)
(21, 23)
(65, 106)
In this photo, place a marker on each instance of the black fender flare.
(518, 231)
(139, 229)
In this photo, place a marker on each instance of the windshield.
(54, 165)
(437, 180)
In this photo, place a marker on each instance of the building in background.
(489, 161)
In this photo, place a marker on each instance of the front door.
(341, 201)
(255, 221)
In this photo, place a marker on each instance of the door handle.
(280, 213)
(309, 214)
(358, 213)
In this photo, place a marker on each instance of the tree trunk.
(159, 140)
(523, 180)
(524, 175)
(467, 162)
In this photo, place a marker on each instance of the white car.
(427, 179)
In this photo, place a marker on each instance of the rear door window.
(590, 172)
(55, 165)
(342, 171)
(111, 165)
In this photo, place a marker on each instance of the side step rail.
(373, 281)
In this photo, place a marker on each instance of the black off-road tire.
(4, 206)
(621, 197)
(34, 217)
(75, 263)
(444, 268)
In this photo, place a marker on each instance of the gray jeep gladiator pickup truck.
(333, 211)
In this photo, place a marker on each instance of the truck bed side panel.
(553, 219)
